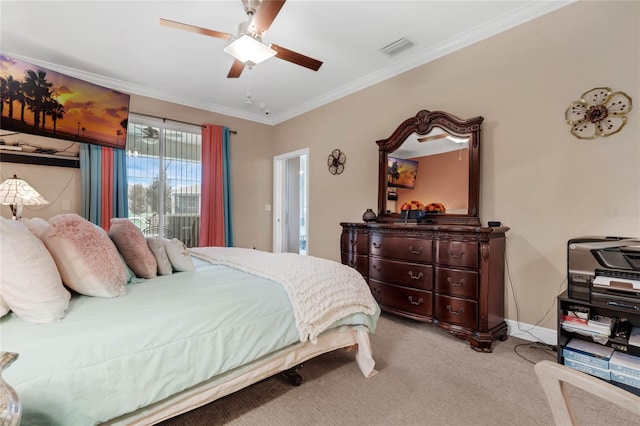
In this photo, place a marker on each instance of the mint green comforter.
(108, 357)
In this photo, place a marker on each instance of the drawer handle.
(458, 284)
(458, 312)
(456, 255)
(352, 264)
(376, 245)
(375, 291)
(376, 267)
(415, 303)
(353, 243)
(415, 251)
(415, 277)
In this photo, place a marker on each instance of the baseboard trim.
(532, 333)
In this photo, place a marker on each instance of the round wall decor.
(336, 162)
(598, 113)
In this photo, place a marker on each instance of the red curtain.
(212, 210)
(106, 195)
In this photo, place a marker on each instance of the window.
(187, 203)
(164, 170)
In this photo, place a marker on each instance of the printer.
(605, 271)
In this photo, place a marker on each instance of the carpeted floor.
(427, 377)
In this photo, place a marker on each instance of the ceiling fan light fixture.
(457, 139)
(247, 49)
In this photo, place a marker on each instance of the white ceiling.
(121, 45)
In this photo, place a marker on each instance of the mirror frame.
(423, 122)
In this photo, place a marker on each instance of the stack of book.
(625, 368)
(577, 319)
(588, 357)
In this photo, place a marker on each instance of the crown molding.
(524, 13)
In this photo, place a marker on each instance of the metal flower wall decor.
(598, 113)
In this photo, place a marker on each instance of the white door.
(290, 200)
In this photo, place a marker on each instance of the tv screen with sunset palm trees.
(39, 101)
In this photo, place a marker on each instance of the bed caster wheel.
(292, 376)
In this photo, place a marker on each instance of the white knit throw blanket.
(321, 291)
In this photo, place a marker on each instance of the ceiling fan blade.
(296, 58)
(266, 13)
(194, 29)
(432, 138)
(236, 69)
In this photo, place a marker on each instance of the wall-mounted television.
(401, 173)
(46, 103)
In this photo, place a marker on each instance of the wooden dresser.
(451, 275)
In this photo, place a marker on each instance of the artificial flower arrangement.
(429, 208)
(435, 208)
(412, 205)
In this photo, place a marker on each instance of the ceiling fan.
(261, 14)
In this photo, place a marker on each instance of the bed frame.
(242, 377)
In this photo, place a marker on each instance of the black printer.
(605, 271)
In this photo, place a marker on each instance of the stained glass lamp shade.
(16, 193)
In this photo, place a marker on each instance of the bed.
(176, 342)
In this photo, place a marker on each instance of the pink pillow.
(87, 259)
(133, 247)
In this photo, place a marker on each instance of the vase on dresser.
(369, 216)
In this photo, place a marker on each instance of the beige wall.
(537, 178)
(57, 185)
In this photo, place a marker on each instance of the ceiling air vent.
(396, 47)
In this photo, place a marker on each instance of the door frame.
(279, 195)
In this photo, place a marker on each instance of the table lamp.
(16, 193)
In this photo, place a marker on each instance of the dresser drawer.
(358, 261)
(401, 273)
(355, 242)
(458, 311)
(404, 299)
(410, 249)
(456, 282)
(457, 253)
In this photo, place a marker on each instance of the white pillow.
(36, 225)
(157, 248)
(178, 255)
(30, 283)
(4, 308)
(87, 259)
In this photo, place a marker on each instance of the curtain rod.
(235, 132)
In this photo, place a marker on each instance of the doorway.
(290, 201)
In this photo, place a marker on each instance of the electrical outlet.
(66, 205)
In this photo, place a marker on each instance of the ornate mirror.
(431, 161)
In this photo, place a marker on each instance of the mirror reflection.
(432, 161)
(431, 168)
